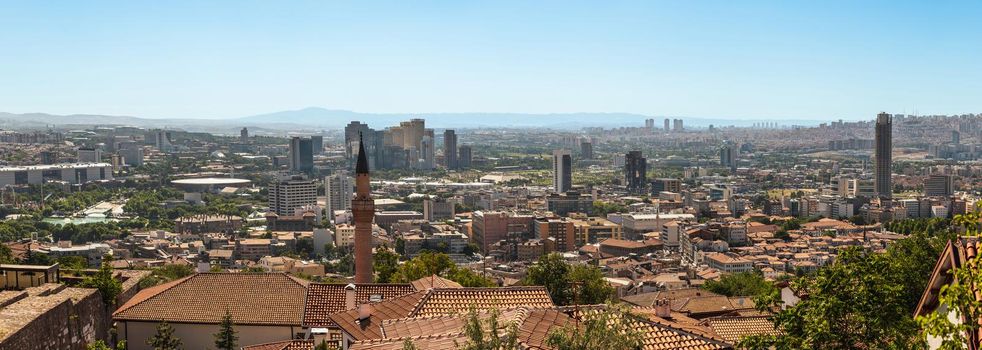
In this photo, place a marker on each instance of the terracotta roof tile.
(434, 281)
(732, 329)
(283, 345)
(450, 301)
(252, 298)
(325, 299)
(370, 328)
(439, 341)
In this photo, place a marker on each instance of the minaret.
(363, 208)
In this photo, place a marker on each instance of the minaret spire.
(363, 208)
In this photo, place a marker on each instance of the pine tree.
(226, 339)
(165, 339)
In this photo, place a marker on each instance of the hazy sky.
(740, 59)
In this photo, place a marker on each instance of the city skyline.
(761, 60)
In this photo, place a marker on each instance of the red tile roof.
(252, 298)
(324, 299)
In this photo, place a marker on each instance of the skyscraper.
(562, 171)
(586, 149)
(465, 157)
(339, 193)
(301, 154)
(884, 156)
(649, 123)
(363, 209)
(244, 135)
(635, 172)
(668, 126)
(678, 125)
(728, 157)
(317, 143)
(450, 149)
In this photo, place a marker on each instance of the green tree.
(488, 334)
(386, 263)
(960, 295)
(568, 284)
(741, 284)
(610, 328)
(431, 263)
(226, 337)
(101, 345)
(105, 281)
(855, 303)
(409, 345)
(6, 255)
(164, 339)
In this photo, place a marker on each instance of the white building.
(339, 190)
(288, 195)
(77, 173)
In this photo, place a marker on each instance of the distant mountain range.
(333, 118)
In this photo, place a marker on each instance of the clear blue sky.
(739, 59)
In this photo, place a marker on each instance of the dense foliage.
(569, 284)
(429, 263)
(610, 328)
(863, 300)
(741, 284)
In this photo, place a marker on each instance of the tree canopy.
(568, 284)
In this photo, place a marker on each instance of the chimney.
(349, 296)
(663, 309)
(364, 312)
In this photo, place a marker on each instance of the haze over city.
(761, 60)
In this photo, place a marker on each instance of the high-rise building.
(363, 209)
(666, 185)
(427, 151)
(728, 157)
(354, 132)
(883, 186)
(465, 157)
(244, 135)
(586, 149)
(301, 154)
(289, 194)
(317, 143)
(132, 153)
(956, 137)
(450, 149)
(562, 171)
(939, 185)
(89, 155)
(649, 123)
(339, 191)
(162, 140)
(635, 172)
(678, 125)
(667, 125)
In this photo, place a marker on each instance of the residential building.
(635, 172)
(289, 194)
(339, 190)
(562, 171)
